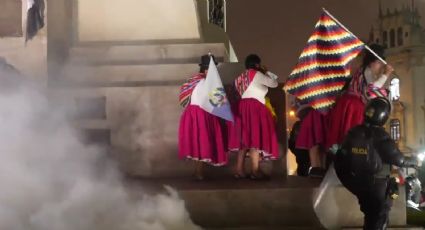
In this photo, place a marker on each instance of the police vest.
(360, 155)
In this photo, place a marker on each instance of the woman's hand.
(388, 70)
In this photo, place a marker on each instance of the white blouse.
(378, 82)
(195, 98)
(260, 86)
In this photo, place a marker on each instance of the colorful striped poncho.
(188, 87)
(242, 81)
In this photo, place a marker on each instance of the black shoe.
(199, 178)
(303, 170)
(238, 176)
(316, 172)
(259, 176)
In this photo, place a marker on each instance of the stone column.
(59, 35)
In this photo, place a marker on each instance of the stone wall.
(10, 18)
(136, 20)
(31, 58)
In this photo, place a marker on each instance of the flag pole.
(345, 28)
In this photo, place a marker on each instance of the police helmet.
(377, 111)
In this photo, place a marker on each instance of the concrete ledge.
(105, 74)
(137, 54)
(95, 76)
(392, 228)
(282, 203)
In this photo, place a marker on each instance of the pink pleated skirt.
(347, 113)
(201, 138)
(312, 130)
(254, 128)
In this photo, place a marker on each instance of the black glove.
(410, 162)
(393, 188)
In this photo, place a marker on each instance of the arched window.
(385, 38)
(399, 36)
(392, 38)
(395, 129)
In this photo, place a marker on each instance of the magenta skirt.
(233, 135)
(200, 137)
(254, 128)
(347, 113)
(312, 130)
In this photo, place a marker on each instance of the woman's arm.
(269, 80)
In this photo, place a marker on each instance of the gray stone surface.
(10, 18)
(282, 203)
(152, 54)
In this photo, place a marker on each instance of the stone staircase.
(126, 64)
(134, 89)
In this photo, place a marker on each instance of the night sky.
(278, 29)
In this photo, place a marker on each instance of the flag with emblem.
(322, 68)
(213, 98)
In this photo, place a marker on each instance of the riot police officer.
(364, 161)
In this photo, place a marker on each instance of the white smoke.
(49, 180)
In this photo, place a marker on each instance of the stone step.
(226, 203)
(128, 73)
(91, 124)
(144, 54)
(308, 228)
(281, 203)
(392, 228)
(140, 75)
(268, 228)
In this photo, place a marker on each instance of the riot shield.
(325, 201)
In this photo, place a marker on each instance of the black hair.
(369, 57)
(203, 68)
(252, 61)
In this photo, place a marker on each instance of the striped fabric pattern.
(358, 86)
(244, 80)
(374, 92)
(187, 89)
(322, 68)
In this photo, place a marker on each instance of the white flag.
(213, 98)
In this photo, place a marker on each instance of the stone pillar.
(59, 35)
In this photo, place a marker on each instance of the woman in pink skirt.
(311, 138)
(200, 133)
(254, 129)
(367, 83)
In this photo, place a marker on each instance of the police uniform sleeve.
(389, 151)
